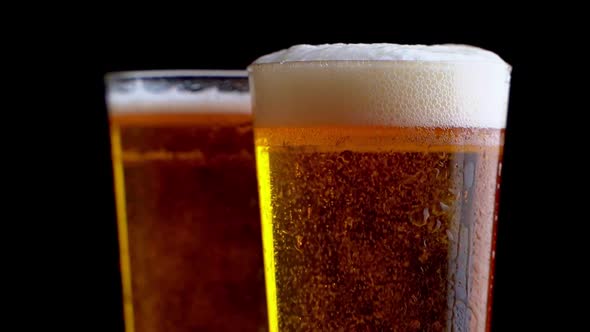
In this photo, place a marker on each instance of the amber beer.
(378, 189)
(187, 204)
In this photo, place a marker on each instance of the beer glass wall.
(379, 172)
(187, 202)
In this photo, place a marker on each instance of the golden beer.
(376, 218)
(188, 213)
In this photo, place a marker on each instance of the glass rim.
(175, 73)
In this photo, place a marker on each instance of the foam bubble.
(381, 52)
(381, 84)
(137, 99)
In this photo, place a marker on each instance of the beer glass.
(186, 198)
(379, 182)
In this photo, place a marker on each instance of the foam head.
(178, 92)
(380, 84)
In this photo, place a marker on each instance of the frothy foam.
(381, 52)
(381, 84)
(210, 100)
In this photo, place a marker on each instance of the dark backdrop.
(526, 212)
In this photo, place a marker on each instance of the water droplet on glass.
(469, 174)
(450, 235)
(418, 221)
(426, 214)
(437, 225)
(299, 242)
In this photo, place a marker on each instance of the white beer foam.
(209, 100)
(381, 52)
(381, 84)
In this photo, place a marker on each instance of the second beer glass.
(187, 204)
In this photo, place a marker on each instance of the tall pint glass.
(187, 205)
(379, 173)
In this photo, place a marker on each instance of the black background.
(531, 255)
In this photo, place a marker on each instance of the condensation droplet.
(450, 235)
(437, 226)
(299, 242)
(418, 221)
(426, 214)
(469, 174)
